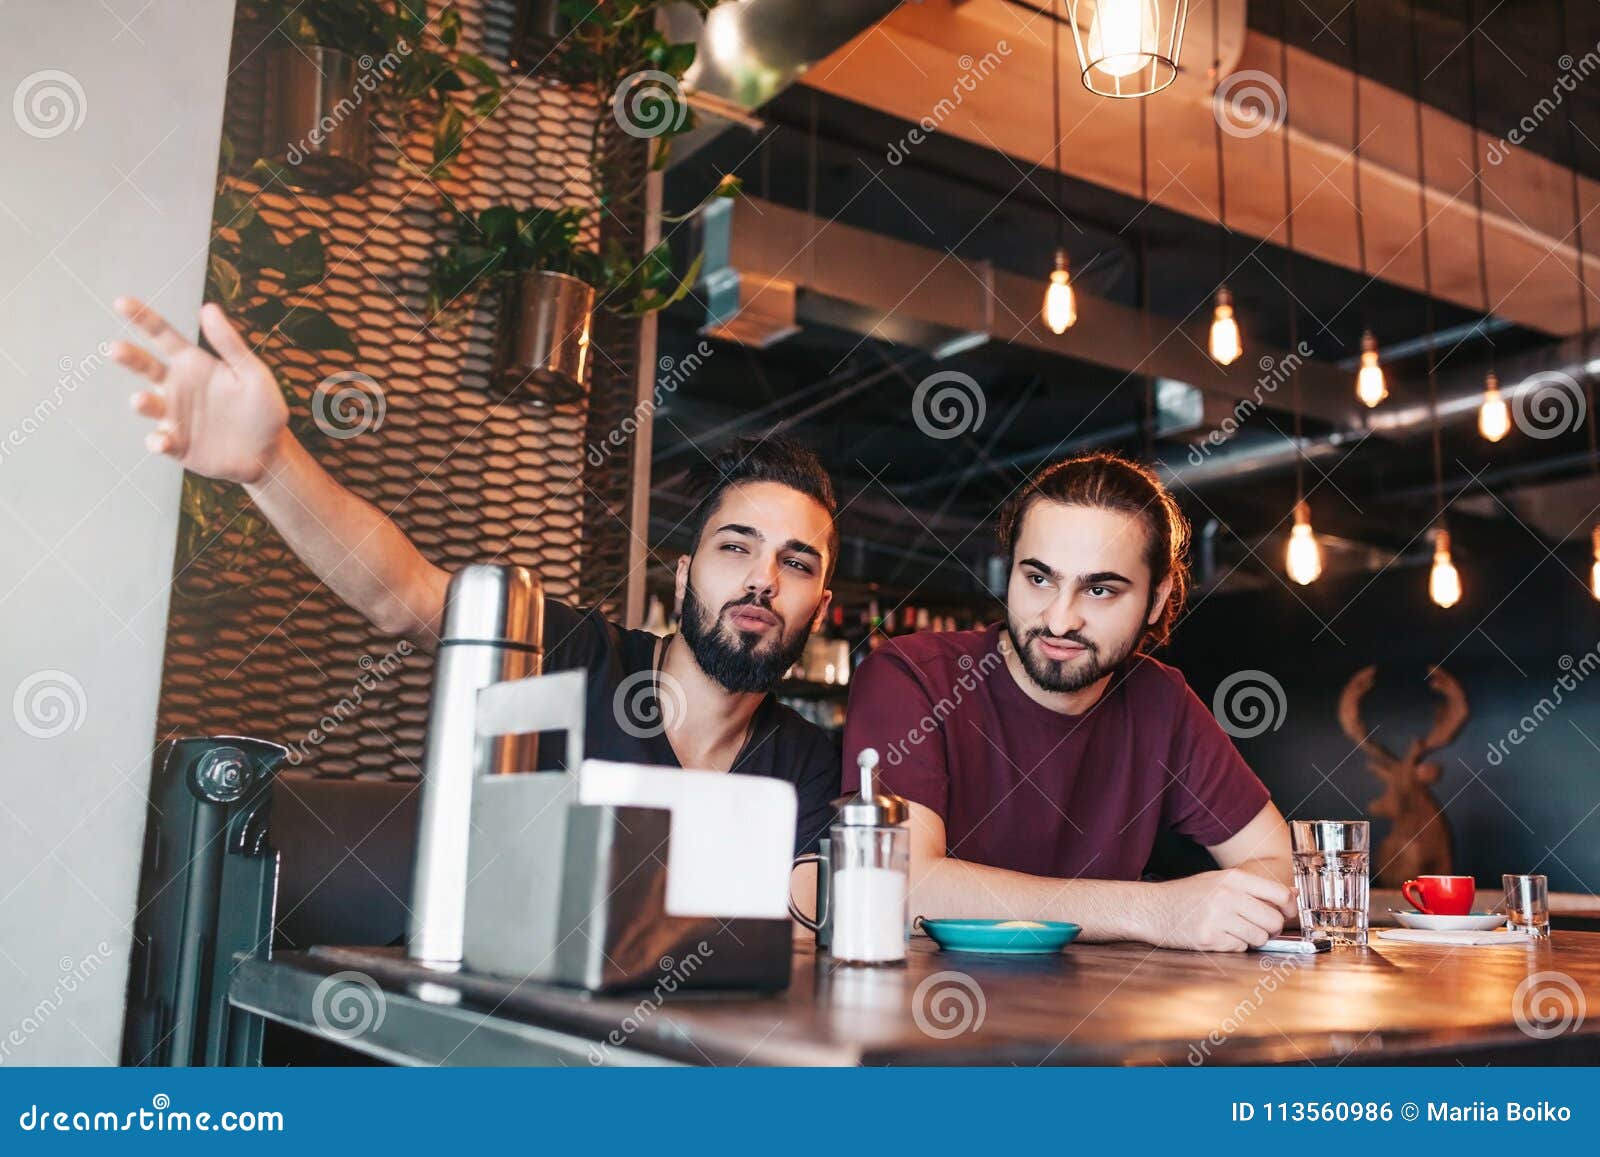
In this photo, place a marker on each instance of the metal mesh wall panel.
(467, 475)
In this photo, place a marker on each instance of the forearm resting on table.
(350, 545)
(1104, 909)
(1169, 913)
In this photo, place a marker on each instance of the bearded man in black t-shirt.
(752, 589)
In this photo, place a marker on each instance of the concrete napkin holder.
(575, 894)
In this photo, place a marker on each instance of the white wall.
(109, 193)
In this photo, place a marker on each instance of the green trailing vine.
(259, 275)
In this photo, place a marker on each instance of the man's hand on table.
(1224, 911)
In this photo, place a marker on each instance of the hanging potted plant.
(332, 62)
(548, 281)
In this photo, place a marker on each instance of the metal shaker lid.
(494, 604)
(871, 807)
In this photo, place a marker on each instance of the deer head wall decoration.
(1418, 842)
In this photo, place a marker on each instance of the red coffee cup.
(1440, 895)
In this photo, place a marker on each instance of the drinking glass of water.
(1332, 864)
(1528, 904)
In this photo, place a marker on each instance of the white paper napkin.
(732, 837)
(1421, 936)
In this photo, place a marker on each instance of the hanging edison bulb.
(1121, 35)
(1060, 304)
(1304, 559)
(1370, 386)
(1225, 344)
(1494, 416)
(1594, 571)
(1444, 583)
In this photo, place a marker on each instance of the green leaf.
(311, 329)
(233, 210)
(306, 263)
(663, 152)
(479, 69)
(450, 26)
(263, 316)
(448, 135)
(259, 246)
(676, 58)
(223, 276)
(498, 225)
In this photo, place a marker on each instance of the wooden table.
(1120, 1004)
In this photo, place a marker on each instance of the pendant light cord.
(1144, 279)
(1427, 264)
(1355, 141)
(1583, 285)
(1055, 112)
(1477, 182)
(1288, 256)
(1216, 117)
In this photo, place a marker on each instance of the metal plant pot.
(318, 106)
(542, 343)
(539, 30)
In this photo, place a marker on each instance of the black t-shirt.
(623, 721)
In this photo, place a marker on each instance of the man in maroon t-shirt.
(1042, 757)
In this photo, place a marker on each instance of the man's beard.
(739, 663)
(1056, 674)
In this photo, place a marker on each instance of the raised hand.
(225, 418)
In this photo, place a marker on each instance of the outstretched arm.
(226, 419)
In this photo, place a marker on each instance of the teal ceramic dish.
(995, 936)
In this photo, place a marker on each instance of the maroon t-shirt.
(1034, 790)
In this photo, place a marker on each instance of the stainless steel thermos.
(493, 631)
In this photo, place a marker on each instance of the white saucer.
(1474, 922)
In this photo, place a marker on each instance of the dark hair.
(771, 459)
(1110, 482)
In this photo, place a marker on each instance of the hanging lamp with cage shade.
(1128, 48)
